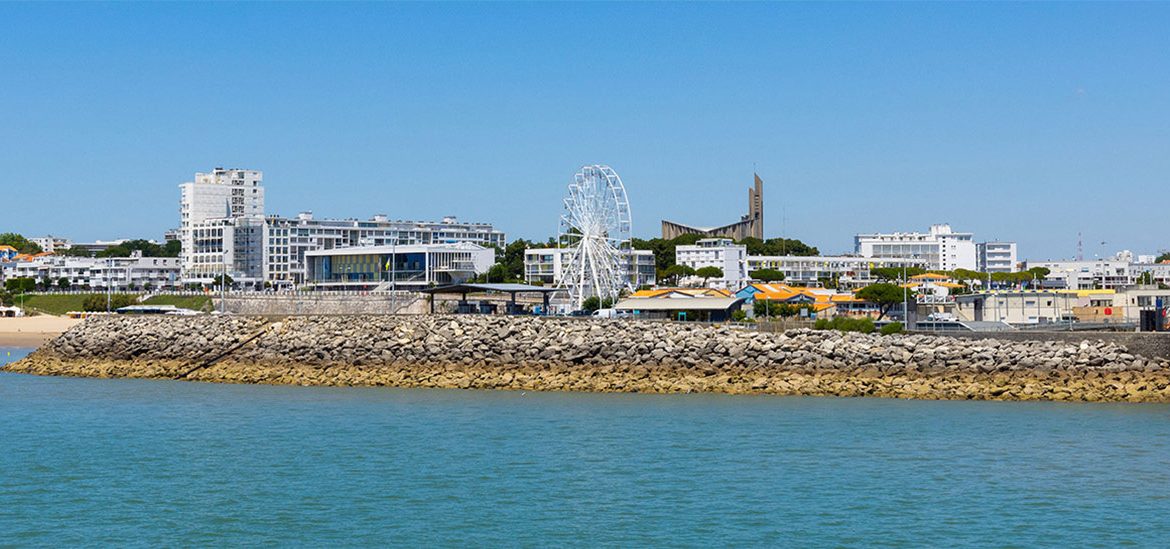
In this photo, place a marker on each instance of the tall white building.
(996, 257)
(723, 253)
(547, 266)
(941, 248)
(221, 194)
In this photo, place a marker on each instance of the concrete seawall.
(566, 355)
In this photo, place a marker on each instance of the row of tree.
(961, 275)
(22, 244)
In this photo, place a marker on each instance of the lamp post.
(223, 285)
(109, 282)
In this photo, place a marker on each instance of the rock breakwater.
(583, 355)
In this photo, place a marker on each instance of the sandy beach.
(32, 331)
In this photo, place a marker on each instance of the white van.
(610, 313)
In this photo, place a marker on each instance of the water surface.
(148, 463)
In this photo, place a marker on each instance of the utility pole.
(109, 282)
(223, 285)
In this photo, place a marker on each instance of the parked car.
(579, 312)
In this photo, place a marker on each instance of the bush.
(97, 302)
(892, 328)
(846, 324)
(738, 315)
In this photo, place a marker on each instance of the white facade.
(941, 248)
(217, 195)
(996, 257)
(1087, 275)
(122, 273)
(848, 271)
(716, 252)
(51, 243)
(547, 265)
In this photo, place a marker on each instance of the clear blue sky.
(1028, 122)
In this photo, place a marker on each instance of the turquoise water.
(149, 463)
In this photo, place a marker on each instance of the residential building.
(941, 248)
(8, 253)
(843, 271)
(222, 194)
(120, 273)
(547, 266)
(51, 243)
(1086, 274)
(723, 253)
(413, 266)
(996, 257)
(750, 224)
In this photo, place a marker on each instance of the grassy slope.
(55, 304)
(193, 302)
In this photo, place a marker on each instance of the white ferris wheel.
(595, 227)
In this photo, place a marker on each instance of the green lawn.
(193, 302)
(54, 304)
(64, 303)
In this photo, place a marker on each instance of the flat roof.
(502, 287)
(667, 304)
(398, 249)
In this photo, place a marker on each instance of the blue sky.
(1027, 122)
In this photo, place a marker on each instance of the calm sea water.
(151, 463)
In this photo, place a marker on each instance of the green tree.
(778, 246)
(764, 307)
(884, 295)
(20, 285)
(766, 275)
(675, 272)
(148, 249)
(22, 244)
(64, 283)
(1165, 256)
(593, 303)
(895, 273)
(219, 280)
(708, 273)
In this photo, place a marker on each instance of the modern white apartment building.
(996, 257)
(941, 247)
(222, 194)
(405, 267)
(51, 243)
(1088, 274)
(547, 265)
(723, 253)
(120, 273)
(847, 271)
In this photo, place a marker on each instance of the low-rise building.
(52, 243)
(406, 267)
(119, 273)
(723, 253)
(547, 266)
(845, 271)
(1091, 274)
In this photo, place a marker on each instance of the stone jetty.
(526, 353)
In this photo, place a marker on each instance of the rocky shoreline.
(524, 353)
